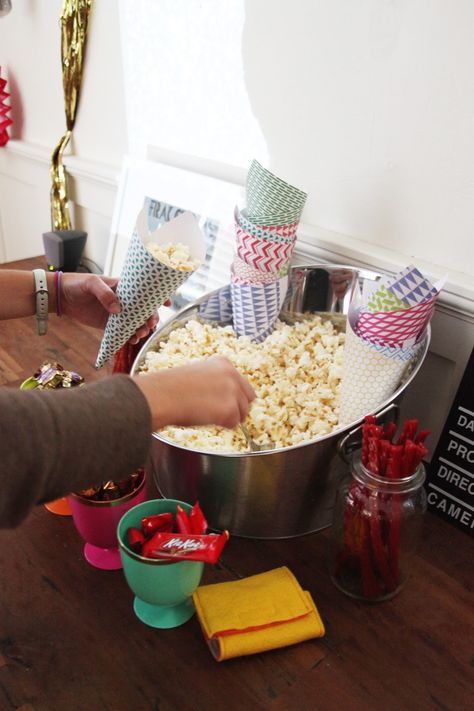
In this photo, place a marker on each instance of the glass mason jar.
(376, 529)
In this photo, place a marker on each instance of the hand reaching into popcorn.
(210, 391)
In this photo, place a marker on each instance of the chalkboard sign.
(450, 485)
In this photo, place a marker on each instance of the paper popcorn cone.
(271, 200)
(411, 287)
(370, 375)
(261, 254)
(217, 307)
(242, 273)
(277, 233)
(395, 328)
(145, 282)
(256, 307)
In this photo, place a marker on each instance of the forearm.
(17, 293)
(52, 443)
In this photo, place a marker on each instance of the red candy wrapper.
(182, 520)
(181, 546)
(197, 521)
(135, 539)
(158, 522)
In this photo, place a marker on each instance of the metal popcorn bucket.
(278, 493)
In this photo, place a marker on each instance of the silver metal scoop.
(253, 446)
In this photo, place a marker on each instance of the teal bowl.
(162, 588)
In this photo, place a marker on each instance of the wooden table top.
(69, 640)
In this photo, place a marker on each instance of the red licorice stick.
(393, 472)
(373, 461)
(393, 461)
(370, 586)
(380, 556)
(182, 520)
(197, 521)
(135, 539)
(408, 431)
(421, 436)
(158, 522)
(390, 431)
(180, 546)
(385, 448)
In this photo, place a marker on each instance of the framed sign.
(168, 191)
(450, 483)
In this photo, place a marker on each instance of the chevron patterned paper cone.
(256, 307)
(370, 375)
(261, 254)
(145, 282)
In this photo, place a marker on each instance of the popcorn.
(295, 372)
(177, 256)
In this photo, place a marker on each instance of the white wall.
(31, 61)
(368, 104)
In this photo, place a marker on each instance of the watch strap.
(41, 293)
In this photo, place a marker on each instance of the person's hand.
(90, 298)
(207, 392)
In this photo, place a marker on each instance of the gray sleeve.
(55, 442)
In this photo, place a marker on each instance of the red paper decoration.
(5, 122)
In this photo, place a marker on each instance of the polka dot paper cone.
(145, 282)
(370, 376)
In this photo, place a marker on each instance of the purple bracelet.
(57, 281)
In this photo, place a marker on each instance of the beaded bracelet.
(57, 283)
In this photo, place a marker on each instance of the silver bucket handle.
(351, 441)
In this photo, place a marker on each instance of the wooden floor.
(69, 640)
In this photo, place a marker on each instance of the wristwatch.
(41, 292)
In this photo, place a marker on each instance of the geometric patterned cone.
(395, 328)
(261, 254)
(145, 282)
(256, 307)
(243, 274)
(217, 307)
(411, 287)
(277, 233)
(271, 200)
(369, 377)
(384, 300)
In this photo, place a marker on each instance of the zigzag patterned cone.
(261, 254)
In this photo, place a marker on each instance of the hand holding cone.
(145, 281)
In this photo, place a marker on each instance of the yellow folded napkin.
(255, 614)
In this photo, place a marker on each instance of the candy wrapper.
(51, 376)
(265, 239)
(146, 280)
(112, 490)
(186, 546)
(179, 537)
(385, 335)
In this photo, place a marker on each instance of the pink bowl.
(96, 521)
